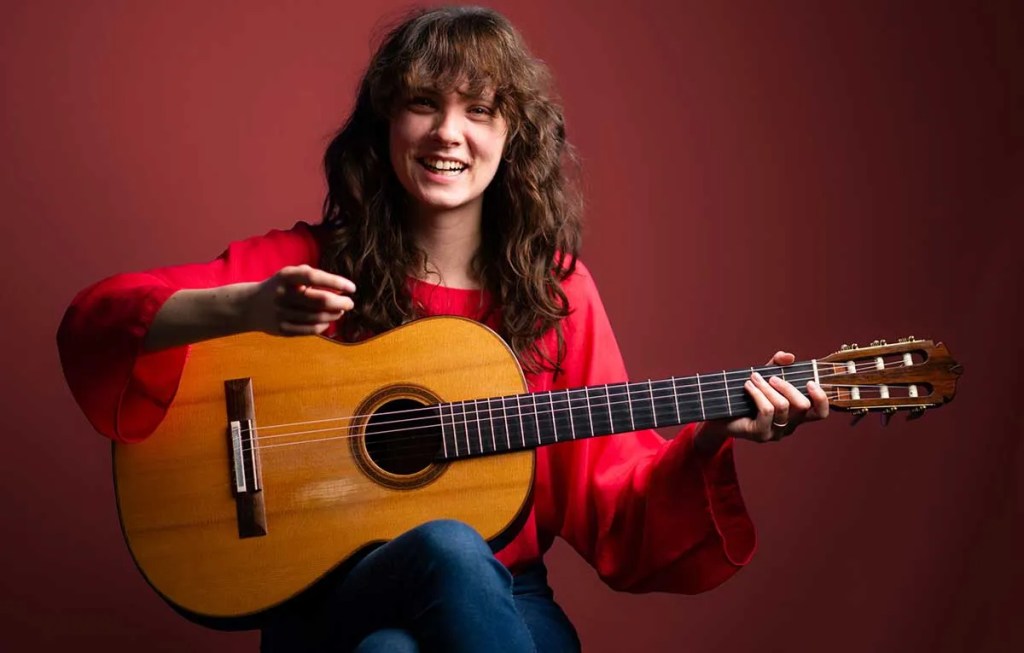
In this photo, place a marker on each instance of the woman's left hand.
(781, 408)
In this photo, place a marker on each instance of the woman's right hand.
(297, 300)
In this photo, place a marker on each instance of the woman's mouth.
(445, 167)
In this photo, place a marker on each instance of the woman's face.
(446, 147)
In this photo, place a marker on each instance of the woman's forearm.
(190, 316)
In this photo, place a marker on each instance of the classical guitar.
(281, 458)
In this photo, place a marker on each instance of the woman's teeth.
(448, 168)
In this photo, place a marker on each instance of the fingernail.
(758, 376)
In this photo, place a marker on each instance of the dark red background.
(759, 175)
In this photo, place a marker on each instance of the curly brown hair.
(531, 210)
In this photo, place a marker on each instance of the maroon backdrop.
(759, 175)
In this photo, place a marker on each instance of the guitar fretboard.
(501, 424)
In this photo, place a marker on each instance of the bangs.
(470, 53)
(468, 62)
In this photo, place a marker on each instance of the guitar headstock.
(910, 375)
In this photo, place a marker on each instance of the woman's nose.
(448, 128)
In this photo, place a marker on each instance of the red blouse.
(648, 514)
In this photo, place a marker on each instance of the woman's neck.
(450, 240)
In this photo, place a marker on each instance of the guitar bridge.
(247, 483)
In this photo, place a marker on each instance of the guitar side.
(174, 490)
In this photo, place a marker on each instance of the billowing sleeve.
(649, 514)
(123, 390)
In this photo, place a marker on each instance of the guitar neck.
(512, 423)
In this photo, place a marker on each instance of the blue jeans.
(437, 587)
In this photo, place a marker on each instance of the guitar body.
(324, 499)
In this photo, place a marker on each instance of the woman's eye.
(421, 101)
(482, 111)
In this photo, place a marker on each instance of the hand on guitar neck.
(781, 408)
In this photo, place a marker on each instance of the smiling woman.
(449, 193)
(445, 148)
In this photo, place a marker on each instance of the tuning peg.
(858, 415)
(887, 414)
(853, 346)
(916, 413)
(877, 343)
(844, 347)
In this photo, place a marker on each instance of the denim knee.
(452, 548)
(388, 640)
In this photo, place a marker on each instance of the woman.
(448, 194)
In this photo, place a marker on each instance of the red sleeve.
(123, 391)
(649, 514)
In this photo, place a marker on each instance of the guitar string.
(434, 420)
(710, 380)
(431, 411)
(432, 415)
(407, 443)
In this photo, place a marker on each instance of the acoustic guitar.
(281, 458)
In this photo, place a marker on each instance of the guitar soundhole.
(403, 436)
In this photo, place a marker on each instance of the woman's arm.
(296, 300)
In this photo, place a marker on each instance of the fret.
(527, 426)
(483, 421)
(519, 418)
(700, 396)
(536, 418)
(725, 384)
(579, 410)
(546, 433)
(460, 409)
(629, 405)
(447, 418)
(444, 435)
(473, 426)
(568, 409)
(561, 416)
(654, 411)
(689, 399)
(600, 410)
(508, 433)
(499, 429)
(735, 394)
(675, 400)
(620, 416)
(643, 413)
(665, 406)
